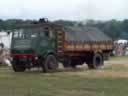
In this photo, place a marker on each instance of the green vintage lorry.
(44, 44)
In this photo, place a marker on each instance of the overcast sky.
(64, 9)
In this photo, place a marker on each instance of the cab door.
(47, 40)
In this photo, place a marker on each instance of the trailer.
(44, 44)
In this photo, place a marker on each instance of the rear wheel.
(18, 66)
(50, 64)
(96, 61)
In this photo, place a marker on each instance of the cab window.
(49, 33)
(46, 32)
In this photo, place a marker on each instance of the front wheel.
(18, 66)
(96, 61)
(50, 64)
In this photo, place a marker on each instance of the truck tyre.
(50, 64)
(96, 61)
(18, 67)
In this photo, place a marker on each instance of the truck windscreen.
(28, 33)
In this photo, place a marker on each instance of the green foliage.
(12, 23)
(65, 23)
(112, 28)
(125, 25)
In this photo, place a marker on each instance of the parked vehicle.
(45, 44)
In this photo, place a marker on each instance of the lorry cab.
(31, 45)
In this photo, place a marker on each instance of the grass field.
(112, 80)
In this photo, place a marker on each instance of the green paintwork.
(38, 44)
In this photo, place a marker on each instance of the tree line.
(112, 28)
